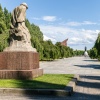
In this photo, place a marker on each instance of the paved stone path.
(75, 65)
(88, 87)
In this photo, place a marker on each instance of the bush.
(99, 57)
(93, 53)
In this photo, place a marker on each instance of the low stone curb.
(72, 85)
(56, 92)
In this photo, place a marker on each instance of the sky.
(77, 20)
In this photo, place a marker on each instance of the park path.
(88, 87)
(74, 65)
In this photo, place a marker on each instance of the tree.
(2, 23)
(97, 44)
(95, 51)
(7, 18)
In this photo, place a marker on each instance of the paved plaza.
(88, 87)
(75, 65)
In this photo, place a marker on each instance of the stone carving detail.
(19, 33)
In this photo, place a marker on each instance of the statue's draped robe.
(18, 15)
(19, 39)
(18, 27)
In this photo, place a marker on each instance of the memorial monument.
(20, 60)
(64, 43)
(86, 53)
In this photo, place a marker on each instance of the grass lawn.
(47, 81)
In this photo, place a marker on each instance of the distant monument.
(85, 52)
(20, 60)
(64, 43)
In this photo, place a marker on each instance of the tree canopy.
(95, 51)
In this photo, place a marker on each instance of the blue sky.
(77, 20)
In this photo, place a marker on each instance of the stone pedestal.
(19, 65)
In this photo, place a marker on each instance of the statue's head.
(24, 4)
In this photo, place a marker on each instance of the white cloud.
(50, 29)
(88, 23)
(73, 24)
(48, 38)
(84, 37)
(80, 23)
(49, 18)
(36, 18)
(75, 36)
(62, 31)
(75, 40)
(46, 18)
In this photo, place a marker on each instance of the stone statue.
(85, 48)
(19, 34)
(86, 53)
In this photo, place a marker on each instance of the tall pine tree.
(3, 27)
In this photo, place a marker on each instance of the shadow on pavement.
(89, 66)
(90, 81)
(78, 95)
(91, 77)
(89, 84)
(84, 96)
(93, 60)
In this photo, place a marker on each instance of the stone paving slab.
(74, 65)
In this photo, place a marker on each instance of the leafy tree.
(2, 23)
(95, 51)
(7, 18)
(97, 44)
(3, 41)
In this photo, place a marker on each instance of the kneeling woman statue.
(19, 38)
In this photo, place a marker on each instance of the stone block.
(20, 74)
(19, 65)
(19, 60)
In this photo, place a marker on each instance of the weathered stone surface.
(3, 63)
(19, 60)
(20, 74)
(20, 46)
(37, 72)
(19, 65)
(19, 38)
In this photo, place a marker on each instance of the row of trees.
(46, 49)
(5, 17)
(78, 52)
(95, 51)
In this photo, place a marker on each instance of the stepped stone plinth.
(19, 65)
